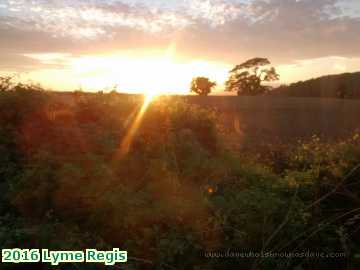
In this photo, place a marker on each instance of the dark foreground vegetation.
(177, 194)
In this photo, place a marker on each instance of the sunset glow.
(158, 72)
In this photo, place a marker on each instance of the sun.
(150, 96)
(150, 73)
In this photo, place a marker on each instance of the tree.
(247, 78)
(201, 86)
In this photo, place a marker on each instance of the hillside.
(345, 85)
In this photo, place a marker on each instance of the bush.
(175, 194)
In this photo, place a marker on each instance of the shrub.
(175, 194)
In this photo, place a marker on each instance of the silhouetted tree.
(246, 78)
(201, 86)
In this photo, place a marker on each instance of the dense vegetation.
(345, 85)
(176, 194)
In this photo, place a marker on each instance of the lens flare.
(128, 139)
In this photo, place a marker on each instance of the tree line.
(342, 86)
(245, 79)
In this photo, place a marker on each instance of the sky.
(161, 44)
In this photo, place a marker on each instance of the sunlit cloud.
(84, 19)
(215, 12)
(50, 58)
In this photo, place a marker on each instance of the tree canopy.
(202, 86)
(247, 78)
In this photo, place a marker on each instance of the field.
(183, 183)
(269, 119)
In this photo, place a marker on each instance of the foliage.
(246, 78)
(176, 194)
(201, 86)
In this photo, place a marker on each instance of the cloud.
(25, 63)
(213, 12)
(218, 30)
(283, 30)
(312, 68)
(14, 62)
(88, 19)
